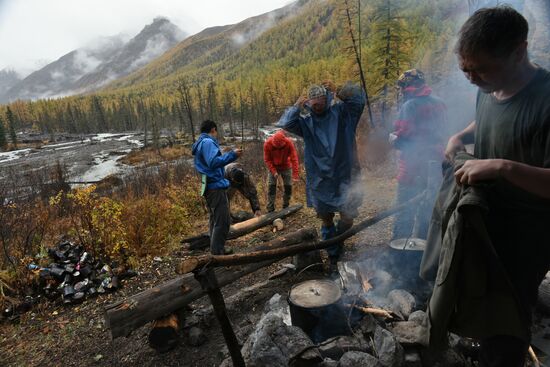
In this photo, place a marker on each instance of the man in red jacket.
(280, 157)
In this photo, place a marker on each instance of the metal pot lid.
(315, 293)
(409, 244)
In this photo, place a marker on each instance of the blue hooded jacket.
(210, 161)
(330, 154)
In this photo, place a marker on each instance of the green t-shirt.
(516, 129)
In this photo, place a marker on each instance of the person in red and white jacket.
(419, 136)
(281, 158)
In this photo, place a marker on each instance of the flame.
(366, 285)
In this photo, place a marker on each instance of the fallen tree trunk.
(240, 229)
(194, 262)
(125, 316)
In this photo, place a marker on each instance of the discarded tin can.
(100, 289)
(85, 257)
(69, 268)
(82, 286)
(68, 291)
(79, 296)
(106, 269)
(92, 291)
(115, 283)
(85, 271)
(33, 267)
(57, 271)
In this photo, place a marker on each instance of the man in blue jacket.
(210, 163)
(330, 155)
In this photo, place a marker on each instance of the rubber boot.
(287, 195)
(271, 193)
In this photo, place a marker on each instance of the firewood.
(240, 229)
(373, 311)
(127, 315)
(191, 263)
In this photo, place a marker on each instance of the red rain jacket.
(280, 154)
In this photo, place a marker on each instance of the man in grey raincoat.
(330, 155)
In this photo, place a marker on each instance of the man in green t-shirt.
(512, 146)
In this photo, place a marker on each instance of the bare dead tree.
(355, 49)
(185, 102)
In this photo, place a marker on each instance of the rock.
(336, 347)
(327, 362)
(447, 358)
(226, 363)
(196, 337)
(402, 302)
(279, 306)
(358, 359)
(275, 344)
(389, 351)
(410, 333)
(368, 324)
(419, 317)
(412, 359)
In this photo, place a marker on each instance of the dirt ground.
(53, 334)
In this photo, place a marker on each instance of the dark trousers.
(404, 220)
(219, 219)
(502, 351)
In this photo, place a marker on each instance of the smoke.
(154, 48)
(269, 20)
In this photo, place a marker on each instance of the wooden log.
(240, 229)
(191, 263)
(165, 333)
(127, 315)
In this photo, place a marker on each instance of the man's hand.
(392, 138)
(296, 179)
(329, 85)
(301, 101)
(226, 149)
(454, 145)
(257, 213)
(238, 152)
(475, 171)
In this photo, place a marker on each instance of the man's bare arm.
(535, 180)
(457, 141)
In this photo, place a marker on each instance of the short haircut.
(207, 126)
(495, 31)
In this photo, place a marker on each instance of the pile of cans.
(74, 274)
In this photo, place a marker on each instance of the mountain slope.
(151, 42)
(8, 78)
(89, 68)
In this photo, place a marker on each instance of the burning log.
(373, 311)
(127, 315)
(533, 356)
(189, 264)
(240, 229)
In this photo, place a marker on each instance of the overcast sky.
(35, 32)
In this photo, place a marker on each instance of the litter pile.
(75, 274)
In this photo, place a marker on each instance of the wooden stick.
(209, 283)
(374, 311)
(533, 357)
(191, 263)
